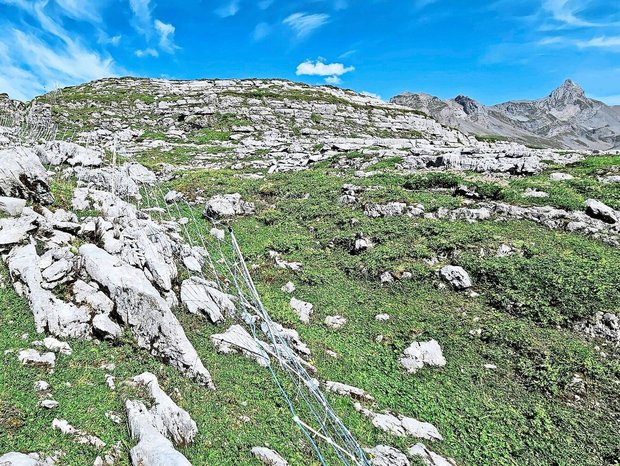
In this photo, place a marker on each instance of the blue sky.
(492, 50)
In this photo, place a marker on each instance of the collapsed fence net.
(226, 270)
(223, 268)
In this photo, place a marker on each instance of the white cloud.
(166, 36)
(147, 53)
(264, 4)
(229, 9)
(261, 31)
(330, 71)
(600, 42)
(86, 10)
(304, 24)
(565, 12)
(145, 25)
(29, 65)
(143, 20)
(320, 68)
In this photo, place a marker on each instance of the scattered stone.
(603, 325)
(153, 448)
(348, 390)
(171, 420)
(237, 339)
(57, 346)
(217, 233)
(529, 192)
(61, 152)
(80, 437)
(557, 176)
(114, 417)
(21, 459)
(48, 404)
(386, 277)
(456, 276)
(289, 287)
(110, 381)
(335, 322)
(302, 309)
(32, 357)
(400, 426)
(419, 354)
(268, 456)
(12, 206)
(490, 366)
(294, 266)
(383, 455)
(173, 196)
(362, 244)
(382, 317)
(227, 205)
(41, 386)
(600, 211)
(428, 457)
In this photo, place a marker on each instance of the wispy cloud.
(331, 71)
(141, 53)
(261, 30)
(143, 20)
(145, 25)
(84, 10)
(612, 42)
(567, 13)
(166, 36)
(420, 4)
(229, 9)
(304, 24)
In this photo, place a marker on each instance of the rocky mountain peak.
(569, 92)
(470, 106)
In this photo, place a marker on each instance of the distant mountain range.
(566, 118)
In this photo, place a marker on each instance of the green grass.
(523, 413)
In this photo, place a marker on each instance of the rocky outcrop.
(140, 306)
(23, 176)
(456, 276)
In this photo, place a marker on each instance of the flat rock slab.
(429, 458)
(384, 455)
(268, 456)
(422, 353)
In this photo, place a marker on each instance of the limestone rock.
(400, 426)
(153, 448)
(419, 354)
(61, 152)
(141, 307)
(268, 456)
(600, 211)
(228, 205)
(603, 325)
(335, 322)
(23, 176)
(456, 276)
(237, 339)
(348, 390)
(201, 296)
(80, 436)
(170, 419)
(12, 206)
(302, 309)
(32, 357)
(20, 459)
(383, 455)
(50, 313)
(428, 457)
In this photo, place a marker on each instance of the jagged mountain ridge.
(565, 119)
